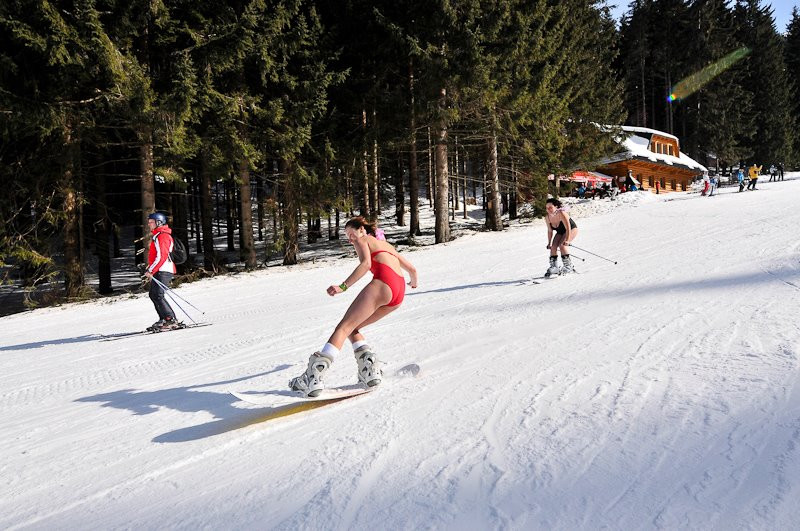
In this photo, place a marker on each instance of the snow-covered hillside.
(661, 392)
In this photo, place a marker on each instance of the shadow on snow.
(189, 399)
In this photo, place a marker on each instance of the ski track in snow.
(662, 392)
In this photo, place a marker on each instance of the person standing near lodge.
(713, 183)
(753, 173)
(162, 268)
(658, 186)
(630, 183)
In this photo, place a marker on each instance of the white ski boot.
(369, 371)
(568, 267)
(310, 382)
(553, 270)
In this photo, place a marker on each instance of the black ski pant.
(157, 295)
(752, 184)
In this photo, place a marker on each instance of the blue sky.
(783, 10)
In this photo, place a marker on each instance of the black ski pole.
(168, 293)
(176, 295)
(593, 254)
(171, 293)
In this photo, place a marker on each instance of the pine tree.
(655, 56)
(299, 97)
(156, 96)
(792, 59)
(670, 22)
(634, 61)
(597, 97)
(767, 81)
(58, 68)
(718, 111)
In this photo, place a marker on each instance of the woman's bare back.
(388, 257)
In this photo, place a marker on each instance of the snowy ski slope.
(662, 392)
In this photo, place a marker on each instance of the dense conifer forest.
(260, 119)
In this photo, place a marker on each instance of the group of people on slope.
(776, 173)
(753, 173)
(380, 297)
(745, 182)
(618, 185)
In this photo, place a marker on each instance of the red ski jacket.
(160, 246)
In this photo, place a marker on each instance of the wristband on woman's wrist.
(343, 286)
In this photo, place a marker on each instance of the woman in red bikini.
(379, 298)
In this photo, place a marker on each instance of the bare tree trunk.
(670, 123)
(147, 188)
(73, 241)
(400, 192)
(484, 166)
(643, 115)
(349, 191)
(180, 209)
(431, 193)
(334, 234)
(248, 251)
(474, 180)
(230, 213)
(102, 232)
(291, 244)
(464, 188)
(442, 230)
(198, 221)
(512, 194)
(217, 209)
(455, 179)
(366, 208)
(493, 215)
(206, 215)
(375, 197)
(413, 176)
(260, 207)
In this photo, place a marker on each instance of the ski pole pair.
(591, 253)
(172, 295)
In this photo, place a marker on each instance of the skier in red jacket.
(162, 269)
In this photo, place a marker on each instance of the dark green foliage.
(738, 116)
(792, 59)
(304, 96)
(58, 69)
(720, 110)
(767, 81)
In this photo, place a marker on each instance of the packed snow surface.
(659, 392)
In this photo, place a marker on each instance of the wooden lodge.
(653, 157)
